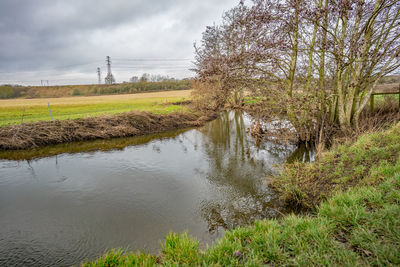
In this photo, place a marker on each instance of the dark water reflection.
(60, 210)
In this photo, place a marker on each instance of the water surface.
(62, 209)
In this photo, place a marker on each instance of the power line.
(153, 59)
(151, 67)
(123, 65)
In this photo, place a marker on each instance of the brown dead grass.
(384, 116)
(32, 135)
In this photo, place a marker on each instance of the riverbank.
(134, 123)
(355, 219)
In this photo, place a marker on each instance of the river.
(64, 204)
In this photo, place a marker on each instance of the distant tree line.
(141, 86)
(15, 91)
(146, 77)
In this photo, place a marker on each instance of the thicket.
(9, 91)
(314, 62)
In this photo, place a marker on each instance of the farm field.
(11, 110)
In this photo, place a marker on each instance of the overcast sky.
(64, 41)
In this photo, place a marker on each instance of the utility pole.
(99, 75)
(44, 82)
(109, 78)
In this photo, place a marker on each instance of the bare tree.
(318, 59)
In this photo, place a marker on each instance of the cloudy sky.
(64, 41)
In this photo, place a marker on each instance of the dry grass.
(385, 115)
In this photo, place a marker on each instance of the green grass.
(12, 114)
(379, 99)
(358, 224)
(339, 169)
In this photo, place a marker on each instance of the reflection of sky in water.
(62, 209)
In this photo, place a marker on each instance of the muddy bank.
(33, 135)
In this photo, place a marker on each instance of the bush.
(76, 92)
(209, 95)
(6, 91)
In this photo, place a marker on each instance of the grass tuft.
(180, 249)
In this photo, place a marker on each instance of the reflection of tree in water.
(228, 152)
(236, 174)
(303, 154)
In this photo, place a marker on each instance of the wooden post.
(371, 104)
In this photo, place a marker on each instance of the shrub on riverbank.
(357, 224)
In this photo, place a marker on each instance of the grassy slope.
(339, 169)
(79, 107)
(358, 223)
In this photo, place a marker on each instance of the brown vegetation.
(32, 135)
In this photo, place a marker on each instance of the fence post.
(51, 115)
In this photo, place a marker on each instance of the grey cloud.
(63, 39)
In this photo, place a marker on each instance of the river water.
(73, 202)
